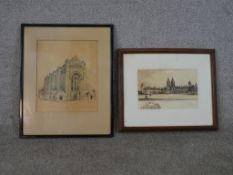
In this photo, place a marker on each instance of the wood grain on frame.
(121, 123)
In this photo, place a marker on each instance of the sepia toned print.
(66, 76)
(167, 88)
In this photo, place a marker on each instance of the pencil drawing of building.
(67, 83)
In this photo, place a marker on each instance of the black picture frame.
(21, 114)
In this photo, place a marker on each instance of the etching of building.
(67, 83)
(171, 85)
(170, 88)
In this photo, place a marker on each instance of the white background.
(133, 116)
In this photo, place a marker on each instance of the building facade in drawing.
(170, 88)
(67, 83)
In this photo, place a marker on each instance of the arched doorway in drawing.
(75, 86)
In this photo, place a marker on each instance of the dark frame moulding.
(121, 52)
(21, 134)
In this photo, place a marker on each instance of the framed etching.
(66, 80)
(166, 89)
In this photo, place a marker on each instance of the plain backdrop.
(137, 23)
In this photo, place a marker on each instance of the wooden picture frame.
(66, 80)
(153, 93)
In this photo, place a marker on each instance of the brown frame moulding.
(121, 52)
